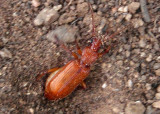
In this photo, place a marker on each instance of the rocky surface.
(124, 81)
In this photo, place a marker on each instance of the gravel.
(142, 43)
(65, 33)
(157, 96)
(157, 72)
(5, 53)
(47, 16)
(128, 72)
(133, 7)
(67, 18)
(137, 23)
(156, 104)
(135, 108)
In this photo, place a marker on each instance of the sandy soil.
(129, 72)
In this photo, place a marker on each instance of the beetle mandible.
(62, 81)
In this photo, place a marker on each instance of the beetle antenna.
(93, 25)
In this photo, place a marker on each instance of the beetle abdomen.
(62, 82)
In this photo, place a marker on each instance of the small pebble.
(67, 18)
(5, 53)
(156, 104)
(65, 33)
(149, 58)
(148, 86)
(157, 72)
(130, 83)
(119, 63)
(31, 110)
(116, 110)
(46, 16)
(128, 17)
(156, 66)
(157, 95)
(143, 54)
(58, 7)
(82, 8)
(128, 53)
(133, 7)
(134, 108)
(137, 23)
(123, 9)
(36, 3)
(104, 85)
(142, 43)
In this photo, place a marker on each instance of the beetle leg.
(74, 55)
(105, 51)
(46, 72)
(64, 47)
(79, 51)
(83, 85)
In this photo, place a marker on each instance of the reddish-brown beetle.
(62, 81)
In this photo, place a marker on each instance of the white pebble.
(149, 58)
(36, 3)
(58, 7)
(31, 110)
(104, 85)
(128, 17)
(130, 83)
(123, 9)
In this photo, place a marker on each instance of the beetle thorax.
(88, 56)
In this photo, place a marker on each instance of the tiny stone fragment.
(149, 58)
(142, 43)
(58, 7)
(5, 53)
(104, 85)
(65, 33)
(157, 72)
(82, 9)
(134, 108)
(137, 23)
(148, 87)
(156, 66)
(133, 7)
(36, 3)
(157, 95)
(128, 17)
(130, 83)
(123, 9)
(156, 104)
(46, 16)
(31, 110)
(67, 18)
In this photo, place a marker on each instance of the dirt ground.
(130, 72)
